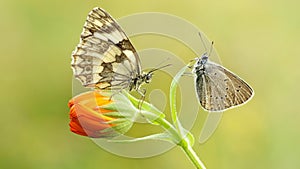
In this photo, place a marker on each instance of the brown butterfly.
(218, 88)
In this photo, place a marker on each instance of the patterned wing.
(219, 89)
(104, 58)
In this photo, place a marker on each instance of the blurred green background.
(258, 40)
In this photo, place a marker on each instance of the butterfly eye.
(203, 59)
(148, 78)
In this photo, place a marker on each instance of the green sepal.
(160, 136)
(117, 115)
(121, 127)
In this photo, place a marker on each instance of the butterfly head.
(147, 77)
(203, 59)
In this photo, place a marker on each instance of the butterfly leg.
(142, 92)
(188, 74)
(116, 91)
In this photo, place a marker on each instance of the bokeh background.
(259, 40)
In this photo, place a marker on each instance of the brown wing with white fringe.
(219, 89)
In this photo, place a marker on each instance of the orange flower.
(91, 115)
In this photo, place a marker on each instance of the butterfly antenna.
(211, 46)
(161, 67)
(162, 62)
(202, 41)
(155, 69)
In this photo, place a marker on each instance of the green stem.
(173, 88)
(177, 133)
(176, 137)
(192, 155)
(184, 144)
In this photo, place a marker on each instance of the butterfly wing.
(104, 58)
(219, 89)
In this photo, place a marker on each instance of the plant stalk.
(182, 142)
(192, 155)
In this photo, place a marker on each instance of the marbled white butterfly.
(105, 58)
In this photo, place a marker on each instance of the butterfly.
(105, 57)
(218, 88)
